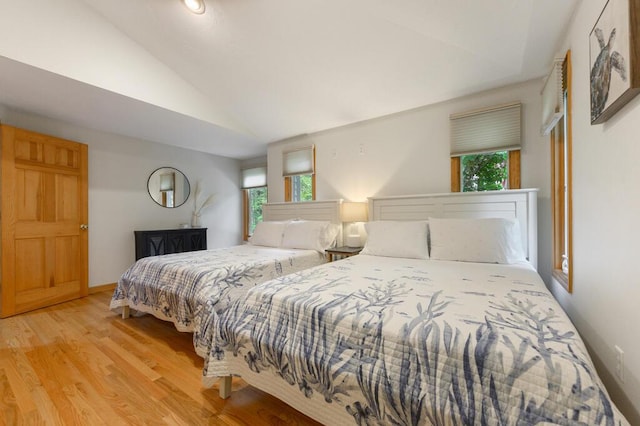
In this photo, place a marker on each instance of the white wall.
(604, 303)
(118, 199)
(72, 29)
(408, 153)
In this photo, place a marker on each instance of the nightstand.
(342, 252)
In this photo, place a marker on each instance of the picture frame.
(614, 58)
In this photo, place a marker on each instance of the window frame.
(487, 130)
(245, 211)
(288, 182)
(514, 171)
(288, 188)
(561, 185)
(252, 178)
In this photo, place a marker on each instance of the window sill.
(561, 278)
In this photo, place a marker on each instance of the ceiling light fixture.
(195, 6)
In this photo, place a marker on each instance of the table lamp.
(352, 213)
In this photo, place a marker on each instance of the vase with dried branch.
(198, 208)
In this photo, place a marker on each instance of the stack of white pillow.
(299, 234)
(491, 240)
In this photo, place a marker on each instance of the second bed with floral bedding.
(191, 289)
(415, 339)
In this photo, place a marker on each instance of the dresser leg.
(125, 312)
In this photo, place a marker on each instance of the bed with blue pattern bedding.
(190, 289)
(391, 341)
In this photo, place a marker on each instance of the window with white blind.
(561, 185)
(552, 98)
(254, 177)
(298, 170)
(254, 188)
(485, 148)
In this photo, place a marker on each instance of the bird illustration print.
(601, 72)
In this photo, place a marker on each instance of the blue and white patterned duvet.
(381, 341)
(189, 289)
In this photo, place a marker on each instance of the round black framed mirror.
(168, 187)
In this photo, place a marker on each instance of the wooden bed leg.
(125, 312)
(225, 387)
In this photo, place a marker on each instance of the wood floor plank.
(8, 405)
(46, 408)
(170, 365)
(80, 363)
(85, 412)
(139, 407)
(190, 411)
(16, 333)
(44, 329)
(54, 380)
(18, 387)
(16, 359)
(252, 402)
(92, 388)
(122, 356)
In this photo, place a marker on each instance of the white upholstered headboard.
(308, 210)
(518, 203)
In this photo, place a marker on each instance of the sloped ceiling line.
(242, 75)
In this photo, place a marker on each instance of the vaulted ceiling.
(250, 72)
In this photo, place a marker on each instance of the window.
(254, 199)
(301, 188)
(561, 185)
(299, 174)
(485, 172)
(485, 149)
(254, 187)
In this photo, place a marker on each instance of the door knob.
(84, 226)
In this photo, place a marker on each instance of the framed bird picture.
(614, 56)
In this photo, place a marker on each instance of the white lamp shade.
(354, 212)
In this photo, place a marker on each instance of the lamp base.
(353, 240)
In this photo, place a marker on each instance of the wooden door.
(44, 220)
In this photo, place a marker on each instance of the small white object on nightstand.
(353, 240)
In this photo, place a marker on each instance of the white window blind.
(486, 130)
(552, 99)
(298, 162)
(255, 177)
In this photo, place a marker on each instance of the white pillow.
(328, 239)
(397, 239)
(268, 234)
(492, 240)
(309, 234)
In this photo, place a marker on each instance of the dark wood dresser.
(166, 241)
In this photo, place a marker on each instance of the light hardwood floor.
(79, 363)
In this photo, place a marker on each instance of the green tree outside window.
(257, 197)
(302, 189)
(485, 172)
